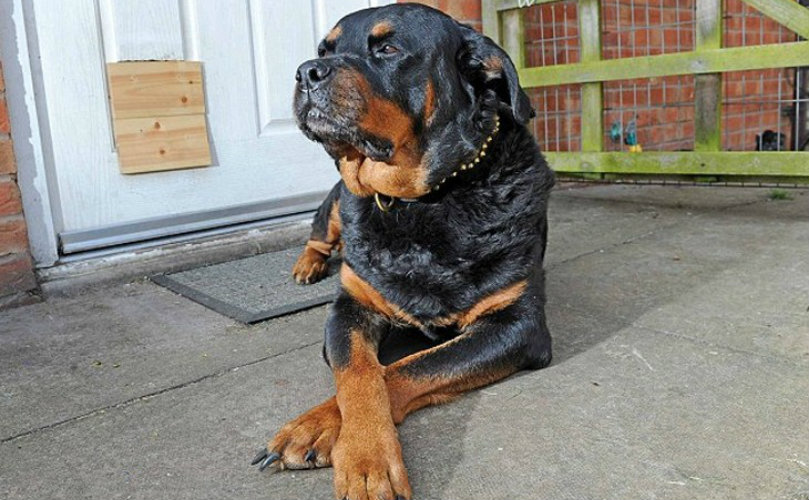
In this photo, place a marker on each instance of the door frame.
(19, 50)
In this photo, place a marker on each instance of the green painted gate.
(503, 22)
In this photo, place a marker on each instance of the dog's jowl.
(440, 215)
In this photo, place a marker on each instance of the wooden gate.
(503, 21)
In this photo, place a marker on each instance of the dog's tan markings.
(316, 430)
(429, 103)
(368, 296)
(364, 177)
(493, 67)
(311, 264)
(491, 303)
(394, 179)
(408, 394)
(334, 34)
(381, 29)
(349, 166)
(385, 119)
(487, 305)
(403, 175)
(367, 457)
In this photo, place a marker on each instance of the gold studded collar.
(386, 206)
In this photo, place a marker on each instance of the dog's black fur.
(460, 266)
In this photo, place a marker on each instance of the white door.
(249, 49)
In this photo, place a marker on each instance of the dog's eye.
(387, 48)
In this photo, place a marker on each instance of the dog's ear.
(486, 66)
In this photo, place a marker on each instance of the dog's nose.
(312, 74)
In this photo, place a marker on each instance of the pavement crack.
(145, 397)
(715, 345)
(695, 214)
(629, 241)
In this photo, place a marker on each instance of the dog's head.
(401, 95)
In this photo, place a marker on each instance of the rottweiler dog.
(440, 215)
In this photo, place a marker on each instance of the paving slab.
(680, 323)
(66, 357)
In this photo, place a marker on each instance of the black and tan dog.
(441, 216)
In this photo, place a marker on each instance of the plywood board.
(155, 88)
(158, 110)
(162, 143)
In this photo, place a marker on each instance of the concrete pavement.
(681, 324)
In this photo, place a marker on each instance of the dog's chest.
(433, 261)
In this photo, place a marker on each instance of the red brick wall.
(16, 268)
(466, 11)
(662, 108)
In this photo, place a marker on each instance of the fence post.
(708, 87)
(491, 20)
(512, 31)
(592, 117)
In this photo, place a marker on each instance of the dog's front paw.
(310, 267)
(368, 465)
(305, 442)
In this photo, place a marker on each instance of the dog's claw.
(272, 457)
(260, 456)
(310, 456)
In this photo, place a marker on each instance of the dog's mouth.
(340, 136)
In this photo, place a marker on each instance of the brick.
(9, 197)
(5, 126)
(462, 10)
(431, 3)
(7, 163)
(16, 274)
(13, 236)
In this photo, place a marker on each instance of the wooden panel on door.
(145, 88)
(158, 110)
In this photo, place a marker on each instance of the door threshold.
(77, 272)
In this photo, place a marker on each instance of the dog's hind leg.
(311, 264)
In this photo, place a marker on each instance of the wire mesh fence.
(763, 110)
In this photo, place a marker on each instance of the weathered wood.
(149, 88)
(503, 5)
(592, 119)
(512, 32)
(491, 20)
(708, 87)
(162, 143)
(682, 63)
(787, 12)
(759, 164)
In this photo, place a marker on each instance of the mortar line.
(133, 400)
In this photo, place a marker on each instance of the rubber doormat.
(254, 288)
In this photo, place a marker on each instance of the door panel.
(249, 50)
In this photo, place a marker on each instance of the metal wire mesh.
(659, 111)
(557, 126)
(633, 28)
(552, 37)
(761, 109)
